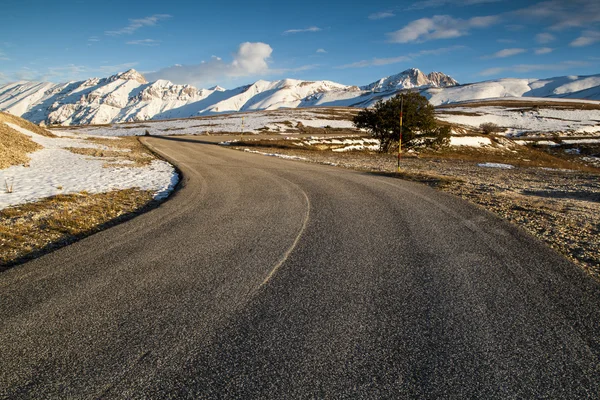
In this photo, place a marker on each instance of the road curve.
(268, 278)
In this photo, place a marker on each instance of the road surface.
(269, 278)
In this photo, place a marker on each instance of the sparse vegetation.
(9, 184)
(419, 126)
(489, 128)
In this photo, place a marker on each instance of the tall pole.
(400, 137)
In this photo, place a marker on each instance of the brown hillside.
(15, 146)
(5, 117)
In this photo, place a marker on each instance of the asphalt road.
(269, 278)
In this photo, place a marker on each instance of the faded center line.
(296, 240)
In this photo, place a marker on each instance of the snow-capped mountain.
(409, 79)
(127, 96)
(566, 87)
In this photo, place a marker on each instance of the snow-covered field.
(573, 120)
(56, 170)
(277, 122)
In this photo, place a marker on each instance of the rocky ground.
(561, 206)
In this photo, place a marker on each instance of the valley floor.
(561, 206)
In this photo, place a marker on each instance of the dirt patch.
(559, 205)
(30, 230)
(15, 147)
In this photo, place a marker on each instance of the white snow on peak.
(131, 74)
(409, 79)
(217, 89)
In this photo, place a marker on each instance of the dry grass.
(521, 156)
(30, 230)
(5, 117)
(530, 105)
(122, 149)
(14, 147)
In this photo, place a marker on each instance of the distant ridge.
(127, 96)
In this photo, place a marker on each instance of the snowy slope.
(569, 87)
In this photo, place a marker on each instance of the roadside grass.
(520, 156)
(30, 230)
(15, 147)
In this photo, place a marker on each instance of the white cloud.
(564, 14)
(439, 27)
(250, 59)
(321, 51)
(135, 24)
(543, 50)
(506, 53)
(437, 52)
(3, 57)
(381, 15)
(405, 58)
(376, 62)
(544, 37)
(523, 68)
(587, 38)
(419, 5)
(69, 72)
(113, 69)
(309, 29)
(144, 42)
(514, 27)
(93, 39)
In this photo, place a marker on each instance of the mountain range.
(127, 96)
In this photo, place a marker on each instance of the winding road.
(268, 278)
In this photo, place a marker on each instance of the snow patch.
(471, 141)
(496, 165)
(54, 170)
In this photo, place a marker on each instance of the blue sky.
(234, 43)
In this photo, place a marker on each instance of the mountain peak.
(217, 88)
(411, 71)
(409, 79)
(129, 75)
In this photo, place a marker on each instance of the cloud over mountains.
(250, 59)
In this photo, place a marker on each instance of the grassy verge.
(30, 230)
